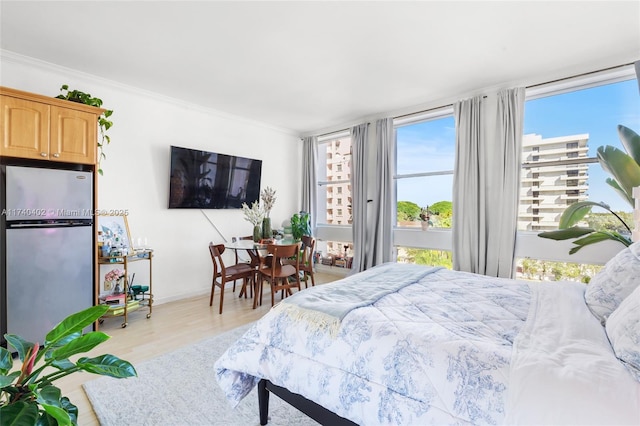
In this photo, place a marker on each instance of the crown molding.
(19, 59)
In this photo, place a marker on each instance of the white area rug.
(179, 388)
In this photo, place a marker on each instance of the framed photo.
(116, 227)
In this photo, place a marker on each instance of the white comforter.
(451, 348)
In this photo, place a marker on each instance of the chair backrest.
(216, 251)
(308, 246)
(284, 251)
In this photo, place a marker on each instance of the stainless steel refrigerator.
(47, 248)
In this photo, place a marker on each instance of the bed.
(407, 344)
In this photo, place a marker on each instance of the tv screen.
(208, 180)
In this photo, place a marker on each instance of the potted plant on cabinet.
(104, 123)
(26, 397)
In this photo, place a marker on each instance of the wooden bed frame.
(308, 407)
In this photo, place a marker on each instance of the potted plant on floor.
(27, 395)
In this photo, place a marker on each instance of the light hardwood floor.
(171, 326)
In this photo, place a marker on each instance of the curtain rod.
(526, 87)
(348, 129)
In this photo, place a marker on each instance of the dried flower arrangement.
(268, 196)
(254, 215)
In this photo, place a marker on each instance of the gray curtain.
(309, 179)
(379, 240)
(637, 66)
(487, 170)
(359, 135)
(504, 180)
(469, 221)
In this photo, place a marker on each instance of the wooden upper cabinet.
(25, 128)
(43, 128)
(74, 136)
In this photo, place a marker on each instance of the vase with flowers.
(114, 276)
(254, 215)
(268, 197)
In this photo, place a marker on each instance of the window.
(334, 155)
(568, 126)
(541, 270)
(425, 257)
(334, 213)
(425, 157)
(564, 127)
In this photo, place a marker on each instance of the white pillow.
(609, 287)
(623, 330)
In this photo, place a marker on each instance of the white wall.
(136, 171)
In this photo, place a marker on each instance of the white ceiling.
(307, 66)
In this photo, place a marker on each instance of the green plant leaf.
(19, 414)
(6, 360)
(566, 234)
(58, 413)
(631, 142)
(575, 213)
(75, 323)
(616, 187)
(46, 420)
(49, 395)
(107, 365)
(54, 404)
(20, 345)
(597, 237)
(71, 409)
(63, 364)
(80, 345)
(621, 166)
(7, 380)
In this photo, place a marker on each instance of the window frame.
(435, 238)
(528, 244)
(324, 231)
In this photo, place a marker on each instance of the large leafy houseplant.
(27, 395)
(624, 169)
(104, 123)
(300, 225)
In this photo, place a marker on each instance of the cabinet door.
(73, 136)
(24, 128)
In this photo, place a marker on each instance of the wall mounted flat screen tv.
(208, 180)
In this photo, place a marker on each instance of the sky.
(430, 146)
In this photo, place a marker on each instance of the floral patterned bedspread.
(437, 351)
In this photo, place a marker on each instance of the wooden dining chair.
(223, 274)
(279, 271)
(253, 261)
(306, 259)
